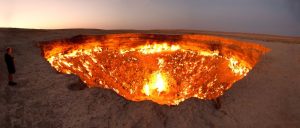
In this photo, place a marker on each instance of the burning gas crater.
(166, 69)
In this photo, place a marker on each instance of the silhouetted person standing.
(9, 59)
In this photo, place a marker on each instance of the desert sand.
(269, 96)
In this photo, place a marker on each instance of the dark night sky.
(254, 16)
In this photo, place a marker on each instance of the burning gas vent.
(166, 69)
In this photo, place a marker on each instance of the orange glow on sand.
(166, 69)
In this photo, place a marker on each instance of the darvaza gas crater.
(166, 69)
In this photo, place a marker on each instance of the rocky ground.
(269, 96)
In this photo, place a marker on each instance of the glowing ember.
(166, 69)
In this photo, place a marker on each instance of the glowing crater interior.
(166, 69)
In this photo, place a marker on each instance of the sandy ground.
(269, 96)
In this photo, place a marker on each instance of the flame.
(157, 48)
(157, 83)
(237, 67)
(166, 69)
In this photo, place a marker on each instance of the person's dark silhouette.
(10, 63)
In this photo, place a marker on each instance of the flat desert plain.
(269, 96)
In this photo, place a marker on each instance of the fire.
(157, 83)
(166, 69)
(157, 48)
(237, 67)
